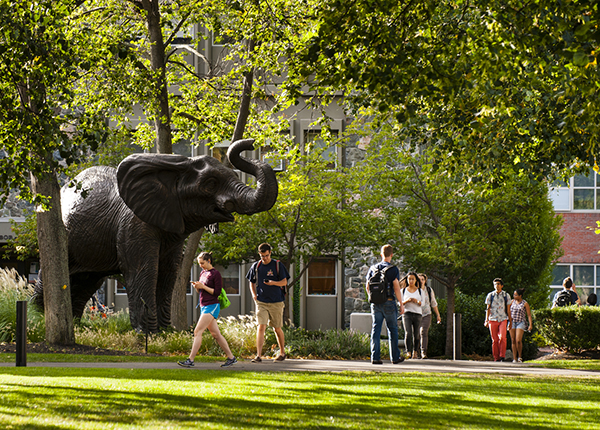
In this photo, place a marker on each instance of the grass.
(86, 358)
(68, 398)
(569, 364)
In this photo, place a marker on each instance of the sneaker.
(376, 362)
(520, 360)
(229, 362)
(514, 361)
(186, 363)
(257, 359)
(400, 360)
(280, 357)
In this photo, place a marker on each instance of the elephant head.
(180, 194)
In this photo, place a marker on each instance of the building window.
(560, 194)
(581, 193)
(586, 278)
(321, 277)
(231, 278)
(219, 151)
(585, 192)
(329, 152)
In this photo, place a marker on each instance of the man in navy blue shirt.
(268, 280)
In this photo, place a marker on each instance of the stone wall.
(357, 266)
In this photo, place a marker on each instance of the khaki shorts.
(270, 313)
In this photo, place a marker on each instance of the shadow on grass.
(300, 400)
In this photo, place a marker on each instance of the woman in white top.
(429, 303)
(411, 319)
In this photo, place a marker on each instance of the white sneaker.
(520, 360)
(514, 361)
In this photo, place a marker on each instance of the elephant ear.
(148, 185)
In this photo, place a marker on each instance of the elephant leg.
(138, 250)
(169, 265)
(142, 299)
(83, 287)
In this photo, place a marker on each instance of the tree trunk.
(178, 306)
(451, 293)
(162, 119)
(179, 301)
(54, 264)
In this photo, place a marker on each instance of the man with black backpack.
(383, 289)
(566, 297)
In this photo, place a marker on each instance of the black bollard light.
(21, 333)
(457, 349)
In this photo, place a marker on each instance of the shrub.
(14, 288)
(570, 328)
(102, 337)
(476, 338)
(118, 322)
(329, 344)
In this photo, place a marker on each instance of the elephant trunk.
(265, 195)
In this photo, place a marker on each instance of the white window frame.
(335, 278)
(595, 287)
(558, 193)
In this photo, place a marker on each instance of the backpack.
(379, 287)
(563, 298)
(503, 295)
(223, 299)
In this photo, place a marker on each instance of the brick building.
(578, 202)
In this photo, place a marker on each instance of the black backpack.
(379, 286)
(563, 298)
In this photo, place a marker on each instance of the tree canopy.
(509, 84)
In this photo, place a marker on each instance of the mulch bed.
(44, 348)
(563, 355)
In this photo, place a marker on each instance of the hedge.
(570, 328)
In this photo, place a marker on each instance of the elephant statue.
(134, 220)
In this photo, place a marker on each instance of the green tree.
(459, 232)
(183, 90)
(25, 243)
(318, 212)
(42, 130)
(505, 84)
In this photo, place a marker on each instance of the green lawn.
(86, 358)
(67, 398)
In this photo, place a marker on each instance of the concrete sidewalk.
(293, 365)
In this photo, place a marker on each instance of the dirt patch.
(44, 348)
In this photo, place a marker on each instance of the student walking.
(209, 286)
(412, 299)
(268, 279)
(566, 296)
(428, 304)
(520, 312)
(387, 310)
(497, 316)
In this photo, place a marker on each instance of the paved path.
(290, 365)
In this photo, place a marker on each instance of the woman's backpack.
(223, 299)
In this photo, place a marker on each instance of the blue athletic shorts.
(214, 310)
